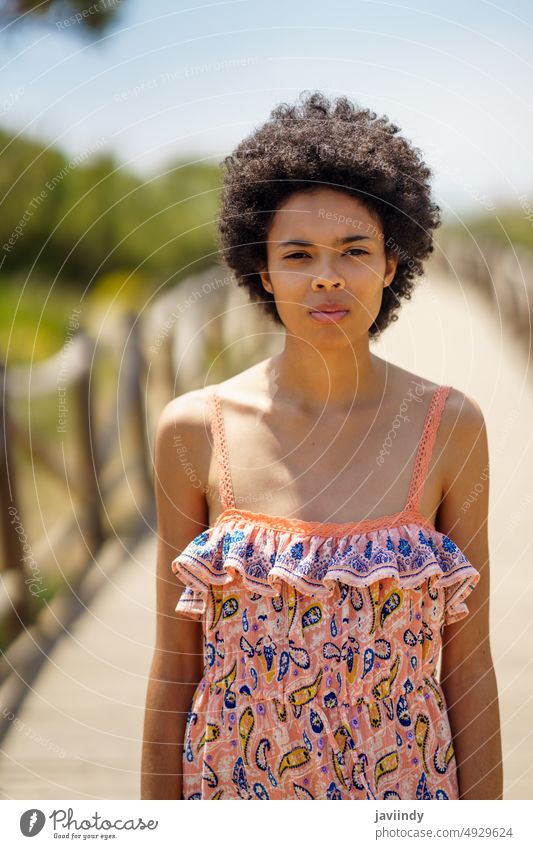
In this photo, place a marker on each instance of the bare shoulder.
(183, 425)
(406, 385)
(462, 417)
(462, 410)
(246, 389)
(461, 448)
(462, 435)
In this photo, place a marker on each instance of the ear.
(390, 269)
(265, 280)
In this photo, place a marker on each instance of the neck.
(336, 377)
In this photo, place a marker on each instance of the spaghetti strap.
(220, 448)
(425, 448)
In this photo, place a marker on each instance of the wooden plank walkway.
(78, 734)
(450, 335)
(80, 730)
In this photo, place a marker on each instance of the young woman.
(326, 558)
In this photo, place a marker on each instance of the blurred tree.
(93, 15)
(84, 217)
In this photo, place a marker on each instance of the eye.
(298, 254)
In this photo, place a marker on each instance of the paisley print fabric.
(320, 649)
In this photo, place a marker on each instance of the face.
(326, 266)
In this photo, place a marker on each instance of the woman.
(300, 660)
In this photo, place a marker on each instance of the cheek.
(289, 286)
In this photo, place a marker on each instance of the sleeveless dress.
(321, 642)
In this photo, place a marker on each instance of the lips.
(329, 306)
(328, 313)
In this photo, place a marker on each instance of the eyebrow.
(358, 237)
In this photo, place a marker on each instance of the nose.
(330, 279)
(327, 283)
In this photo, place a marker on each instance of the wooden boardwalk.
(78, 734)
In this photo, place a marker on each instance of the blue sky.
(184, 78)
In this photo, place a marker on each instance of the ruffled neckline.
(323, 529)
(263, 552)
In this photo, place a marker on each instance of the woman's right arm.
(180, 474)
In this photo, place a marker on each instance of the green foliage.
(74, 225)
(79, 218)
(505, 226)
(33, 317)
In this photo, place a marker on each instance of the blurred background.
(114, 117)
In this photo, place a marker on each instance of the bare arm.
(177, 663)
(467, 673)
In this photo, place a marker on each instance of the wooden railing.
(86, 492)
(504, 275)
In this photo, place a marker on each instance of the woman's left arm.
(468, 679)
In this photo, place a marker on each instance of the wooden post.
(89, 448)
(14, 607)
(134, 383)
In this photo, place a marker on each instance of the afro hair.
(336, 144)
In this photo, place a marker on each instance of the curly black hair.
(340, 145)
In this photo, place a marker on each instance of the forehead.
(330, 212)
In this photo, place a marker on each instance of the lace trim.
(225, 484)
(324, 529)
(425, 448)
(416, 486)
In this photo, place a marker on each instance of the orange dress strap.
(425, 448)
(220, 448)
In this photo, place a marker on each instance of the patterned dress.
(320, 647)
